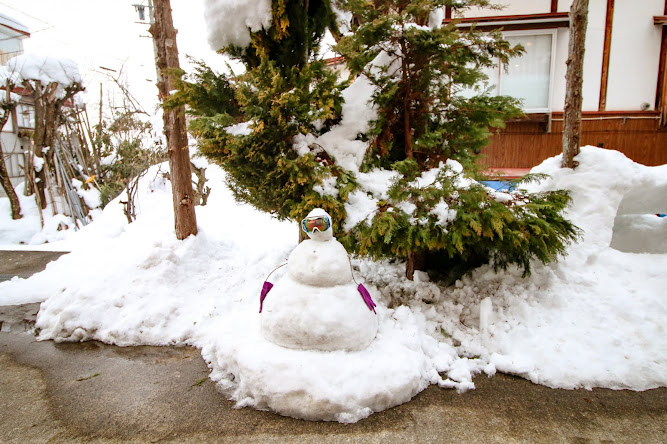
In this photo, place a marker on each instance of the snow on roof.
(45, 69)
(14, 24)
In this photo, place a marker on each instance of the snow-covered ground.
(594, 319)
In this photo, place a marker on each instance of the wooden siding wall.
(526, 143)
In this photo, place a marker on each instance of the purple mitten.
(265, 290)
(366, 296)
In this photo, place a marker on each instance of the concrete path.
(24, 263)
(92, 392)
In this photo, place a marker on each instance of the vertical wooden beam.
(554, 5)
(661, 90)
(606, 52)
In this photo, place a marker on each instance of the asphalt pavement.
(93, 392)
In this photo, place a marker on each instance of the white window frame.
(552, 68)
(20, 110)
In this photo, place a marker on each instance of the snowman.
(316, 304)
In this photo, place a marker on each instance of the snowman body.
(316, 305)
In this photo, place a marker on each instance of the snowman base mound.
(327, 386)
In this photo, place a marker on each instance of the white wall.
(512, 7)
(597, 12)
(565, 5)
(635, 50)
(635, 54)
(597, 16)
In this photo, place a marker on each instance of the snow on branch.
(230, 22)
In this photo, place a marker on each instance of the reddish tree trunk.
(574, 81)
(164, 35)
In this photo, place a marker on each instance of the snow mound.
(331, 386)
(640, 225)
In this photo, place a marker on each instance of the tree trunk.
(7, 185)
(164, 36)
(39, 137)
(574, 81)
(415, 262)
(8, 107)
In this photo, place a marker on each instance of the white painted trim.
(514, 22)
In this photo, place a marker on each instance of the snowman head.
(317, 225)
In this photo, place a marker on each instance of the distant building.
(625, 78)
(12, 34)
(16, 141)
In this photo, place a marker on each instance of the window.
(26, 116)
(529, 77)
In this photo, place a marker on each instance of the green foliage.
(263, 167)
(457, 224)
(207, 94)
(283, 95)
(298, 27)
(125, 139)
(432, 107)
(419, 74)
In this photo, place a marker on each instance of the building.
(625, 78)
(15, 135)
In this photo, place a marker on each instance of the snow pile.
(28, 230)
(595, 319)
(45, 69)
(636, 227)
(230, 22)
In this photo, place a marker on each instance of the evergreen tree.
(431, 110)
(284, 93)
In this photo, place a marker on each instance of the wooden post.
(574, 81)
(606, 53)
(164, 35)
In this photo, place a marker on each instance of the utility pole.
(574, 79)
(164, 36)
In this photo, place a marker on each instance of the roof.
(14, 25)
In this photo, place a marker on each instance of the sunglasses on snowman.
(319, 223)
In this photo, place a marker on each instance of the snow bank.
(28, 232)
(595, 319)
(230, 22)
